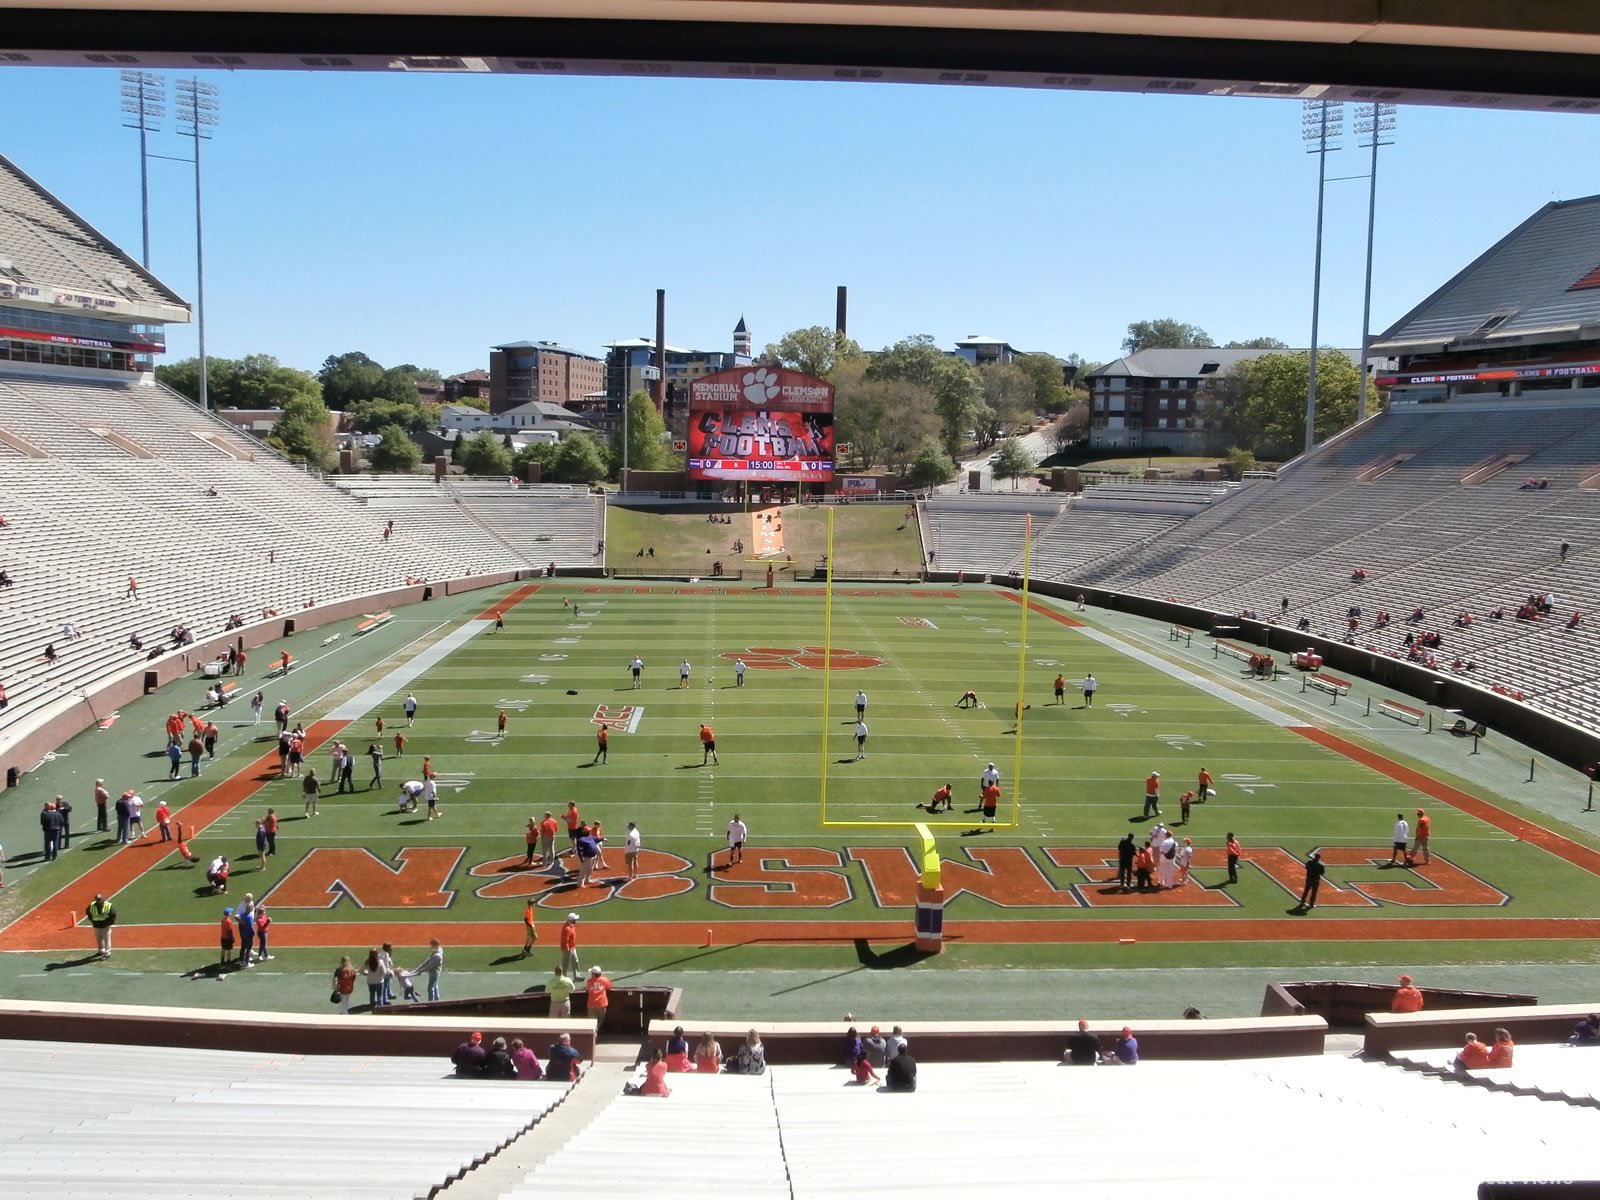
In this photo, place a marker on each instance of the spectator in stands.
(470, 1056)
(1083, 1047)
(500, 1064)
(1381, 620)
(1566, 549)
(5, 578)
(853, 1047)
(901, 1075)
(1501, 1053)
(1416, 615)
(1497, 614)
(1303, 624)
(1125, 1050)
(1588, 1031)
(655, 1077)
(564, 1064)
(708, 1055)
(526, 1061)
(1472, 1056)
(1463, 620)
(861, 1067)
(678, 1052)
(50, 656)
(1574, 619)
(751, 1057)
(1407, 999)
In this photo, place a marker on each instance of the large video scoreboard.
(761, 423)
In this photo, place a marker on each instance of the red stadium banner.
(761, 423)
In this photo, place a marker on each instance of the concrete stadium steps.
(113, 1121)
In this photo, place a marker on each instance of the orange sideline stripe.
(511, 601)
(1043, 610)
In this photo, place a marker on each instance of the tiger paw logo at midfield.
(812, 658)
(759, 386)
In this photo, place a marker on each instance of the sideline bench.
(1181, 633)
(1401, 712)
(374, 621)
(1242, 653)
(1324, 682)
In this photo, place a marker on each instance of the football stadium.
(1277, 789)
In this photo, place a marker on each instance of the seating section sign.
(761, 423)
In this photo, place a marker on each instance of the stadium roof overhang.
(1474, 53)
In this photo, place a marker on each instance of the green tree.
(371, 416)
(1240, 460)
(543, 453)
(1258, 343)
(395, 452)
(350, 377)
(305, 432)
(931, 466)
(421, 374)
(255, 381)
(1050, 392)
(815, 350)
(482, 454)
(1014, 462)
(1008, 393)
(1070, 428)
(881, 420)
(646, 430)
(1261, 404)
(1164, 333)
(951, 381)
(579, 459)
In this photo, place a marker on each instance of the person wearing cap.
(1083, 1047)
(500, 1064)
(1152, 794)
(562, 1062)
(102, 916)
(876, 1047)
(1423, 829)
(1407, 999)
(469, 1057)
(1314, 873)
(1125, 1050)
(569, 946)
(598, 989)
(559, 987)
(990, 777)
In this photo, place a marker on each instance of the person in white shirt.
(637, 668)
(861, 740)
(430, 793)
(683, 673)
(861, 705)
(738, 672)
(1185, 857)
(1402, 836)
(411, 710)
(1090, 683)
(410, 793)
(896, 1045)
(1167, 861)
(990, 777)
(737, 832)
(136, 816)
(630, 851)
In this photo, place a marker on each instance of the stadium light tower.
(197, 108)
(144, 102)
(1321, 123)
(1373, 122)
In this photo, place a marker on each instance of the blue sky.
(424, 219)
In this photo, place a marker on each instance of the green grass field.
(879, 542)
(1039, 893)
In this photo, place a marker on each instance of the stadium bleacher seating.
(103, 1122)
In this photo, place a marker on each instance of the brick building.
(520, 372)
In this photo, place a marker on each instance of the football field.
(1036, 888)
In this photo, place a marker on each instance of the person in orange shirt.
(599, 996)
(164, 820)
(574, 828)
(1061, 689)
(1501, 1052)
(1424, 828)
(655, 1079)
(708, 746)
(548, 828)
(283, 662)
(1407, 999)
(1184, 801)
(379, 724)
(598, 833)
(989, 799)
(1152, 794)
(569, 946)
(1202, 787)
(1235, 853)
(942, 797)
(399, 745)
(530, 931)
(1144, 862)
(1472, 1056)
(601, 741)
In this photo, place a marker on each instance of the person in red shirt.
(1235, 853)
(399, 745)
(238, 662)
(708, 746)
(1407, 999)
(942, 797)
(574, 827)
(270, 825)
(164, 819)
(283, 662)
(500, 723)
(1422, 832)
(1472, 1056)
(1061, 689)
(1501, 1052)
(599, 996)
(602, 742)
(655, 1079)
(225, 932)
(989, 798)
(548, 828)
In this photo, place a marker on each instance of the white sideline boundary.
(1183, 675)
(367, 699)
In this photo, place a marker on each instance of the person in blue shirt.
(1126, 1050)
(562, 1062)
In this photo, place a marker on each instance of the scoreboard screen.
(761, 423)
